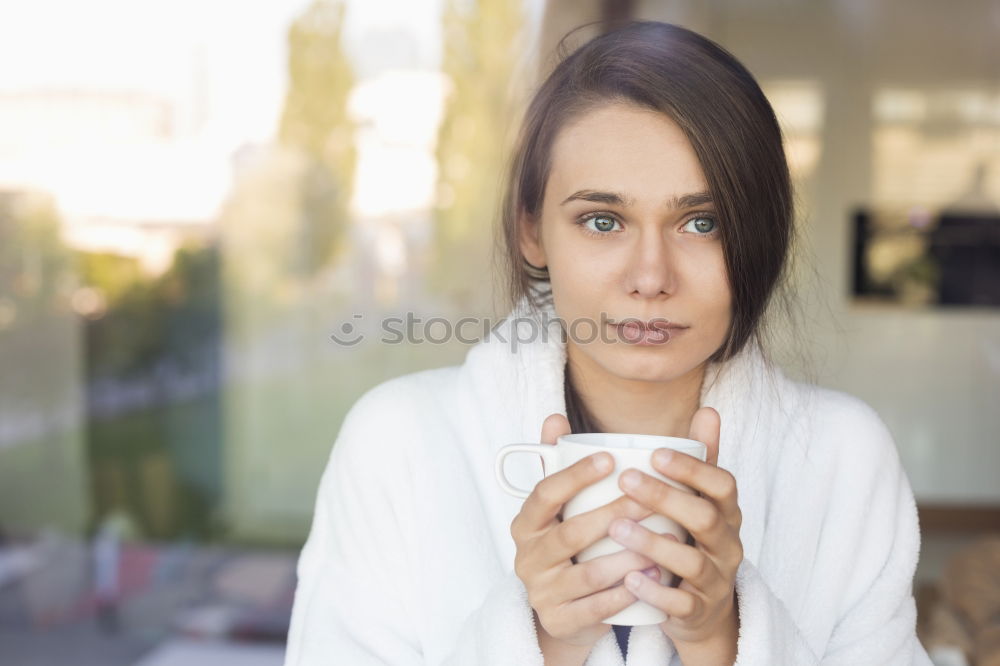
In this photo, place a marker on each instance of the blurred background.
(195, 196)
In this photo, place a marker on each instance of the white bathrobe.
(410, 559)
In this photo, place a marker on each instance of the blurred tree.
(158, 458)
(42, 468)
(284, 224)
(259, 226)
(125, 334)
(36, 282)
(481, 49)
(192, 293)
(315, 121)
(144, 320)
(35, 266)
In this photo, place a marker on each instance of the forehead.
(624, 148)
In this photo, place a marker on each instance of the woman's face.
(620, 243)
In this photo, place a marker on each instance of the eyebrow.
(615, 199)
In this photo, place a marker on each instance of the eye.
(603, 224)
(703, 225)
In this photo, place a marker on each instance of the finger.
(675, 602)
(698, 515)
(552, 492)
(688, 562)
(598, 574)
(555, 426)
(565, 540)
(706, 426)
(589, 610)
(714, 483)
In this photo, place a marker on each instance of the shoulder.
(849, 450)
(848, 416)
(841, 424)
(399, 404)
(375, 442)
(869, 516)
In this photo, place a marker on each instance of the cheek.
(706, 276)
(715, 298)
(575, 287)
(576, 266)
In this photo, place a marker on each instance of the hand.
(572, 600)
(703, 606)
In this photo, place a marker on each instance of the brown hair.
(732, 129)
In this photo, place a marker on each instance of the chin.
(649, 364)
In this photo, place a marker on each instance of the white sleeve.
(501, 632)
(354, 601)
(871, 540)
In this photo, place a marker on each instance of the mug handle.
(546, 451)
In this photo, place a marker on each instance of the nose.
(652, 270)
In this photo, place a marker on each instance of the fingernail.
(653, 572)
(621, 529)
(663, 456)
(602, 462)
(630, 479)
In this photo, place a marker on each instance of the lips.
(653, 325)
(651, 332)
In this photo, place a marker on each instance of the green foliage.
(315, 121)
(260, 240)
(146, 319)
(160, 462)
(36, 323)
(35, 267)
(192, 293)
(481, 47)
(160, 465)
(125, 335)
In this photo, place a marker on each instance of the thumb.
(705, 427)
(555, 426)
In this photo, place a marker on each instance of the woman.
(647, 223)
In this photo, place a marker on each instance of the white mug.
(628, 451)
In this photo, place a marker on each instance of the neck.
(617, 404)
